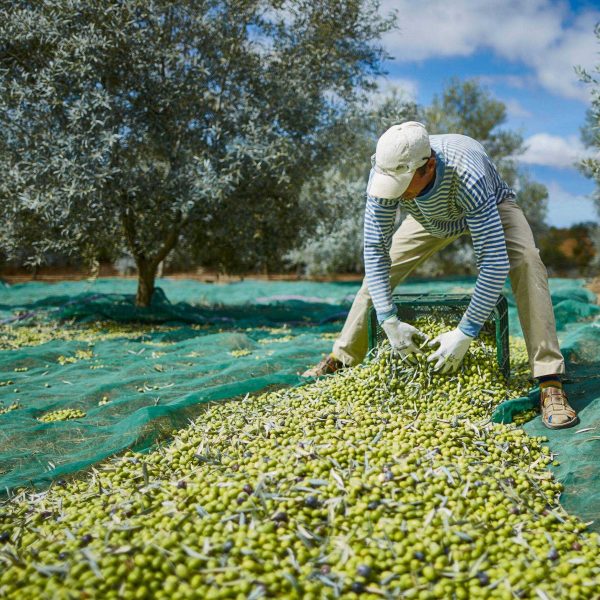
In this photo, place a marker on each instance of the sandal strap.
(555, 404)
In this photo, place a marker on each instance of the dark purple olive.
(181, 485)
(388, 476)
(419, 555)
(248, 489)
(576, 546)
(63, 555)
(311, 502)
(515, 510)
(325, 569)
(241, 499)
(552, 554)
(228, 546)
(357, 587)
(483, 578)
(364, 571)
(280, 517)
(86, 539)
(4, 537)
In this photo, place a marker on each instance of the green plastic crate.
(449, 307)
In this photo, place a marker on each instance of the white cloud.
(566, 209)
(408, 88)
(553, 151)
(514, 81)
(536, 33)
(515, 109)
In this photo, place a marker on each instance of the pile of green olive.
(63, 414)
(386, 480)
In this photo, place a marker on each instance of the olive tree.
(590, 132)
(129, 125)
(337, 194)
(468, 108)
(462, 107)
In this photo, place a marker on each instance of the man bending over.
(449, 187)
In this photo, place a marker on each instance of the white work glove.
(453, 347)
(401, 337)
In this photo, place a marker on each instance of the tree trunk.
(147, 267)
(146, 277)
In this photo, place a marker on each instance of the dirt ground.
(54, 275)
(69, 274)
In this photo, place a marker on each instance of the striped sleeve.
(492, 263)
(380, 215)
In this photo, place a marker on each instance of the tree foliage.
(570, 250)
(337, 195)
(129, 125)
(464, 107)
(590, 132)
(468, 108)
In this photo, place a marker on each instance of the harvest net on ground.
(85, 374)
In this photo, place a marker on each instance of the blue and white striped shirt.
(465, 195)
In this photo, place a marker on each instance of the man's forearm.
(380, 216)
(492, 261)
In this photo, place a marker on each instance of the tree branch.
(130, 233)
(171, 240)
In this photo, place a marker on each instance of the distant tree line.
(570, 251)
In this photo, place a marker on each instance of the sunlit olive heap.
(383, 481)
(63, 414)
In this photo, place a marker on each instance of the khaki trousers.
(412, 245)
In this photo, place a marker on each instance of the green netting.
(577, 449)
(138, 373)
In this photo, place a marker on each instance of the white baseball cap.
(400, 151)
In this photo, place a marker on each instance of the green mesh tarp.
(139, 373)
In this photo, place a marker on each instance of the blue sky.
(524, 52)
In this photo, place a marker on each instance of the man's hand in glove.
(453, 347)
(401, 338)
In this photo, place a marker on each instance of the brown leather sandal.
(557, 413)
(327, 366)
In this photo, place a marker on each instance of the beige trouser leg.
(411, 245)
(529, 282)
